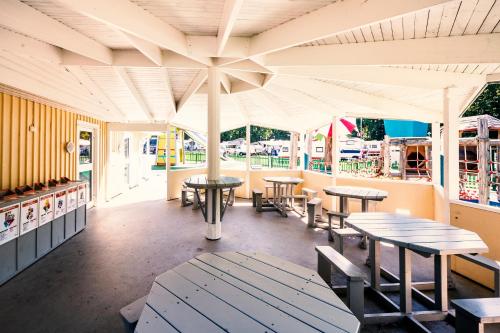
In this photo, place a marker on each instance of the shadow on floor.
(81, 286)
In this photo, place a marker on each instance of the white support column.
(309, 148)
(451, 149)
(294, 144)
(335, 147)
(248, 160)
(213, 201)
(436, 153)
(167, 163)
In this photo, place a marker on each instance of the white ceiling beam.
(226, 83)
(426, 79)
(247, 65)
(168, 84)
(493, 78)
(238, 86)
(136, 21)
(53, 75)
(470, 49)
(29, 47)
(354, 97)
(41, 87)
(150, 50)
(122, 73)
(133, 58)
(96, 91)
(192, 89)
(206, 46)
(22, 18)
(229, 15)
(330, 20)
(255, 79)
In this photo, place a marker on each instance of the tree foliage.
(371, 129)
(488, 102)
(257, 133)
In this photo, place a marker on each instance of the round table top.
(243, 292)
(284, 180)
(201, 181)
(356, 192)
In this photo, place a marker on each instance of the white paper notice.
(46, 209)
(9, 223)
(60, 204)
(82, 194)
(71, 199)
(29, 215)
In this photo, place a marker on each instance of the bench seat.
(130, 314)
(314, 211)
(488, 264)
(473, 314)
(328, 257)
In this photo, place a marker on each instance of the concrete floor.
(81, 286)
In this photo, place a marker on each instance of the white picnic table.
(283, 186)
(423, 236)
(243, 292)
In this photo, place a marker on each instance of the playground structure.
(411, 158)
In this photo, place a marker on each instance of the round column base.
(214, 231)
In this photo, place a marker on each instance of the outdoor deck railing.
(265, 161)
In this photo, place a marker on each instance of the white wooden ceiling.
(289, 64)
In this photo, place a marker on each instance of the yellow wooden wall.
(27, 157)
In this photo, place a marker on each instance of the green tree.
(371, 129)
(488, 102)
(257, 133)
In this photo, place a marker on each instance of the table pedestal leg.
(213, 211)
(405, 303)
(374, 257)
(441, 282)
(365, 207)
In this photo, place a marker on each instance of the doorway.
(87, 158)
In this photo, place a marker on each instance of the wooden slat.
(177, 312)
(262, 312)
(463, 17)
(448, 19)
(151, 322)
(286, 278)
(295, 310)
(284, 292)
(21, 142)
(13, 141)
(479, 14)
(287, 266)
(451, 247)
(218, 311)
(492, 20)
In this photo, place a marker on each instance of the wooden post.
(451, 112)
(170, 195)
(248, 160)
(386, 158)
(309, 150)
(483, 152)
(402, 159)
(436, 153)
(294, 143)
(335, 147)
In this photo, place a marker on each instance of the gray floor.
(81, 286)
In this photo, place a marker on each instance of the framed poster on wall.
(29, 215)
(82, 194)
(9, 223)
(71, 199)
(59, 203)
(46, 209)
